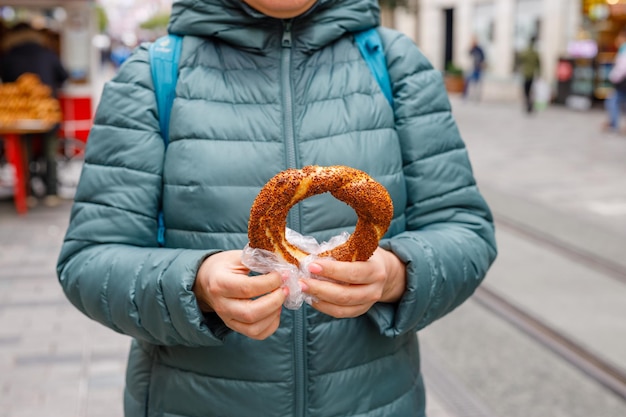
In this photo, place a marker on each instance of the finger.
(259, 330)
(246, 287)
(341, 294)
(346, 272)
(252, 311)
(341, 312)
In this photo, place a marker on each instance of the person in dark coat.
(25, 51)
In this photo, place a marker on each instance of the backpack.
(165, 54)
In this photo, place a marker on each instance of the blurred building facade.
(503, 28)
(575, 41)
(569, 32)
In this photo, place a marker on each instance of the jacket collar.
(236, 23)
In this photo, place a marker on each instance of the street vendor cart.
(74, 24)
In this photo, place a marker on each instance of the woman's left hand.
(356, 286)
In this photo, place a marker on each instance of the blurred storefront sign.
(582, 48)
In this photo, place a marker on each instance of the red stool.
(16, 154)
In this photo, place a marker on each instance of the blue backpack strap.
(371, 47)
(164, 57)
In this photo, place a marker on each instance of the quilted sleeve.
(110, 265)
(449, 242)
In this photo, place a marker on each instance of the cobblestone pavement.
(54, 362)
(558, 158)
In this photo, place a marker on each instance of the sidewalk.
(54, 362)
(554, 172)
(558, 158)
(556, 176)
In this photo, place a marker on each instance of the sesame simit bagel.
(369, 199)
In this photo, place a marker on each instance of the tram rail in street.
(592, 260)
(606, 374)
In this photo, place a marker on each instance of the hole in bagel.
(322, 216)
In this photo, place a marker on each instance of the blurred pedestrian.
(474, 78)
(119, 53)
(263, 86)
(530, 68)
(614, 104)
(26, 51)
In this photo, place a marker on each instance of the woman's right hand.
(248, 305)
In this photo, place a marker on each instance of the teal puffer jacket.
(255, 96)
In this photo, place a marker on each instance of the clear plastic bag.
(262, 261)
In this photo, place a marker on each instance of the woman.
(263, 86)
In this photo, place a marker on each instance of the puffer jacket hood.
(236, 23)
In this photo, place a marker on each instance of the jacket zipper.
(288, 128)
(294, 218)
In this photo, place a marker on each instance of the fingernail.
(303, 286)
(315, 268)
(285, 276)
(286, 290)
